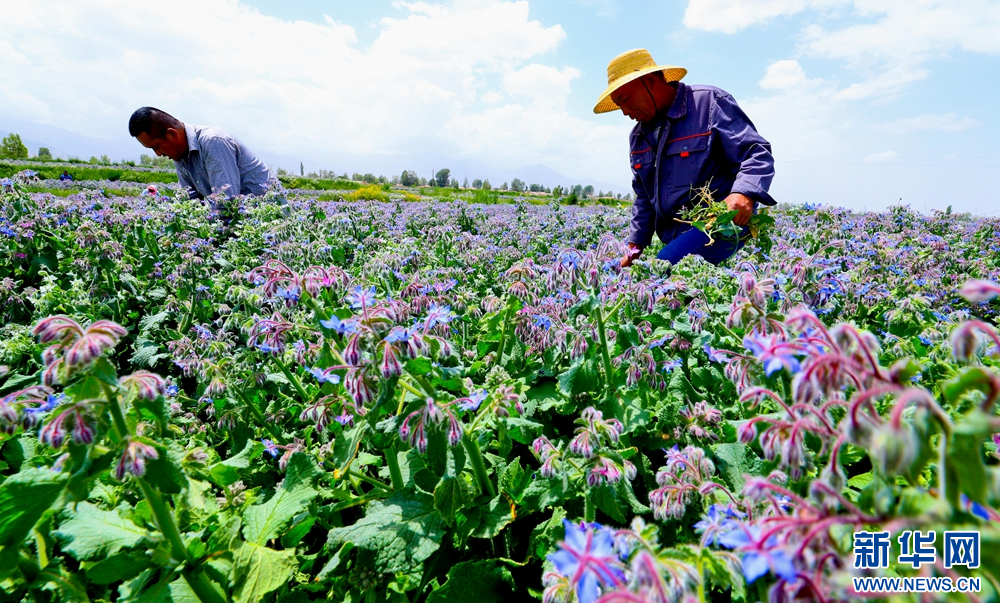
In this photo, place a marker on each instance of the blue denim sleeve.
(643, 217)
(745, 147)
(219, 156)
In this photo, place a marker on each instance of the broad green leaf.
(265, 521)
(345, 448)
(164, 472)
(450, 495)
(580, 377)
(494, 517)
(975, 378)
(542, 493)
(606, 500)
(523, 430)
(226, 472)
(546, 534)
(334, 561)
(418, 366)
(733, 461)
(105, 371)
(513, 479)
(258, 570)
(122, 566)
(151, 322)
(965, 461)
(146, 353)
(91, 532)
(24, 497)
(402, 531)
(485, 581)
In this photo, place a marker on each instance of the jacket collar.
(677, 110)
(192, 138)
(679, 107)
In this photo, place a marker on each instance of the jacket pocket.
(685, 159)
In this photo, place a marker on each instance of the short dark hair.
(153, 122)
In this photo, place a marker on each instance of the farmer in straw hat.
(686, 137)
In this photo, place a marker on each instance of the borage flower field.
(443, 401)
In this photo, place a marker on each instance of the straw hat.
(629, 66)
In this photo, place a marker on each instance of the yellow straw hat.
(629, 66)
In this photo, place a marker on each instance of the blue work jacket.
(704, 139)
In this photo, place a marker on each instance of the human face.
(635, 101)
(172, 144)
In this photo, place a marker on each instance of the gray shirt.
(215, 158)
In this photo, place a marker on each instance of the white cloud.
(887, 42)
(949, 122)
(881, 157)
(784, 74)
(543, 84)
(731, 16)
(299, 87)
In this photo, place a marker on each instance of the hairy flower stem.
(478, 466)
(164, 517)
(296, 384)
(257, 414)
(116, 411)
(589, 510)
(372, 481)
(503, 334)
(605, 353)
(701, 580)
(395, 475)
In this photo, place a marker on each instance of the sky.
(867, 103)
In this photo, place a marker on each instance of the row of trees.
(13, 148)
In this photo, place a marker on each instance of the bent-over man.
(688, 137)
(209, 160)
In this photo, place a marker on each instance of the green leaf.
(24, 497)
(299, 529)
(164, 472)
(450, 496)
(419, 366)
(580, 377)
(493, 518)
(16, 452)
(225, 473)
(402, 531)
(146, 353)
(334, 561)
(265, 521)
(475, 581)
(523, 430)
(974, 378)
(258, 570)
(123, 566)
(546, 534)
(105, 371)
(733, 461)
(513, 479)
(345, 448)
(152, 322)
(91, 532)
(606, 500)
(542, 493)
(965, 461)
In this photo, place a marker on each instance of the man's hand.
(631, 254)
(743, 205)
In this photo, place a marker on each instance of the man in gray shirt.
(209, 160)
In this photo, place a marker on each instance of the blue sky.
(866, 102)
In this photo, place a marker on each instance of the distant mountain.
(65, 144)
